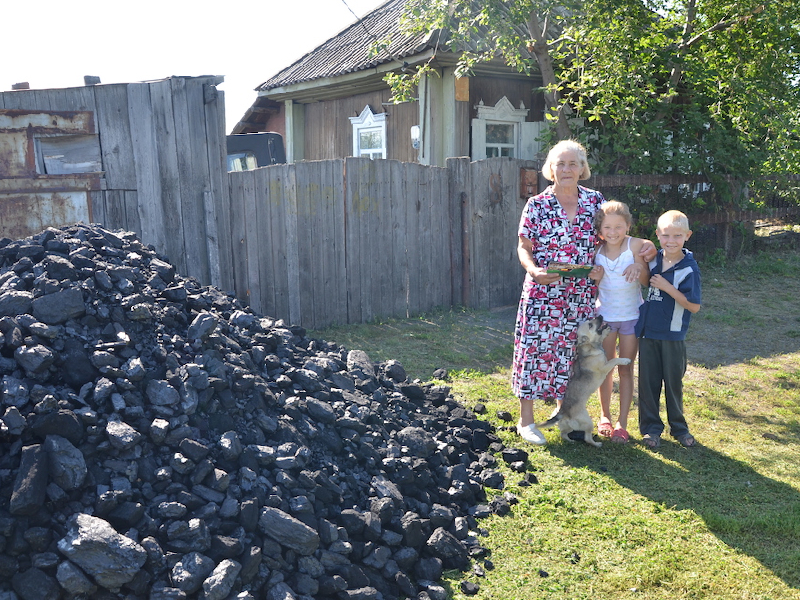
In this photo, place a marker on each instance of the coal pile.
(160, 441)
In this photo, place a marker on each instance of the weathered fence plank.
(334, 308)
(441, 238)
(220, 259)
(397, 241)
(168, 168)
(116, 146)
(308, 176)
(353, 250)
(254, 240)
(426, 255)
(380, 187)
(458, 187)
(145, 153)
(77, 98)
(266, 280)
(276, 183)
(415, 242)
(238, 196)
(190, 129)
(292, 247)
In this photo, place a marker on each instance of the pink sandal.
(605, 429)
(620, 436)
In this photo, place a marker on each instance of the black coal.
(159, 440)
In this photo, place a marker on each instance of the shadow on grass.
(753, 514)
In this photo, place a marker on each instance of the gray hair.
(566, 145)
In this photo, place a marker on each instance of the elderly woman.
(556, 226)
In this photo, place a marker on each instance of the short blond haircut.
(562, 146)
(675, 218)
(612, 207)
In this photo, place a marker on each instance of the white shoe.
(531, 434)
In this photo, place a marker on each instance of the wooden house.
(333, 102)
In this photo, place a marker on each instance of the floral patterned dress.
(548, 315)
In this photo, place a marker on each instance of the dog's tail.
(554, 418)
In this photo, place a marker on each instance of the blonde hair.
(612, 207)
(675, 218)
(564, 146)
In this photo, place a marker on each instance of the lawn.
(718, 521)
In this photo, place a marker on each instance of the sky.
(54, 44)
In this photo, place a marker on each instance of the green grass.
(718, 521)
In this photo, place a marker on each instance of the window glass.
(371, 139)
(499, 133)
(242, 161)
(500, 139)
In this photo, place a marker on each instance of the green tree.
(651, 86)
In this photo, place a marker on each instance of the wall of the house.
(492, 89)
(329, 133)
(444, 113)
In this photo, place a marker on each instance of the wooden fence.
(348, 241)
(313, 243)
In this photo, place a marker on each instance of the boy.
(673, 297)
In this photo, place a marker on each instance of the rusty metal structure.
(49, 165)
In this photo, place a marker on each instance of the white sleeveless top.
(618, 300)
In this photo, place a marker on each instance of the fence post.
(459, 186)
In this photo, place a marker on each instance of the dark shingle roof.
(352, 49)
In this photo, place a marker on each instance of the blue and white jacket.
(660, 317)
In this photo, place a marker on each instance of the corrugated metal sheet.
(351, 50)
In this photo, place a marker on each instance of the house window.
(500, 139)
(369, 134)
(501, 130)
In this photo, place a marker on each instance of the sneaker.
(531, 434)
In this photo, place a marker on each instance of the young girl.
(618, 299)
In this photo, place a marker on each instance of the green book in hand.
(569, 269)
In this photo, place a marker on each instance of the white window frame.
(503, 113)
(513, 146)
(365, 122)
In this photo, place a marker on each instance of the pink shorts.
(622, 327)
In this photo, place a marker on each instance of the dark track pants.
(661, 361)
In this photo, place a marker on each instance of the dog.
(589, 369)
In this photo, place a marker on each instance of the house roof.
(349, 62)
(351, 50)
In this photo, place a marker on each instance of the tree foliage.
(651, 86)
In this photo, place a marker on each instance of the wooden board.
(397, 242)
(220, 258)
(115, 137)
(252, 240)
(193, 168)
(168, 172)
(144, 140)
